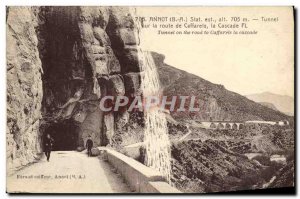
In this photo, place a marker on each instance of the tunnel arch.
(213, 125)
(241, 126)
(220, 126)
(64, 134)
(227, 126)
(235, 126)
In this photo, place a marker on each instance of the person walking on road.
(48, 144)
(89, 146)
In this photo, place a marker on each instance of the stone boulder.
(80, 149)
(95, 151)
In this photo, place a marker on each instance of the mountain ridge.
(214, 100)
(283, 103)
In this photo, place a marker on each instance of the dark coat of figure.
(89, 146)
(48, 144)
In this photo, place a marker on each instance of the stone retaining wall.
(141, 179)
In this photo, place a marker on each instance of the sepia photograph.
(150, 100)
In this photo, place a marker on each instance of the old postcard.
(105, 99)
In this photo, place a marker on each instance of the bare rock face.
(132, 83)
(110, 40)
(122, 31)
(92, 125)
(92, 24)
(116, 85)
(61, 61)
(24, 88)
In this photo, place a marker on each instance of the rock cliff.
(60, 62)
(24, 87)
(87, 53)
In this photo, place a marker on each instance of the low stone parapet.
(141, 179)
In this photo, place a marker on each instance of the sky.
(245, 64)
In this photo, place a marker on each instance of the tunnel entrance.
(64, 134)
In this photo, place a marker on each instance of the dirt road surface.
(67, 172)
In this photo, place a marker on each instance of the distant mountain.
(215, 102)
(283, 103)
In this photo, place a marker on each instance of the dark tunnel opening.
(64, 134)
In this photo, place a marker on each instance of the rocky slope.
(269, 105)
(284, 175)
(214, 101)
(229, 160)
(217, 160)
(209, 167)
